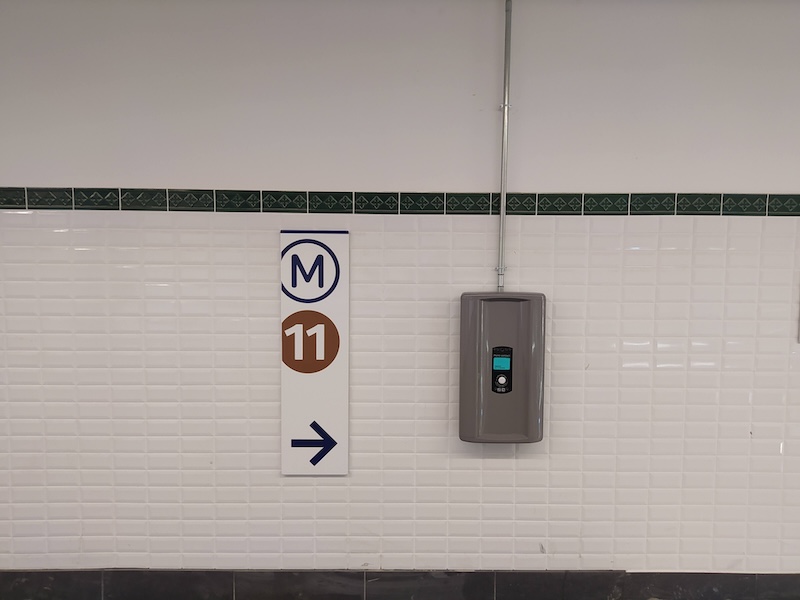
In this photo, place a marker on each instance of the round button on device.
(502, 380)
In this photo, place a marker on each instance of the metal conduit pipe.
(501, 260)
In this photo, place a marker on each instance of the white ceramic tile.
(687, 324)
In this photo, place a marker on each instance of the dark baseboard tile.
(168, 585)
(430, 585)
(386, 585)
(698, 586)
(275, 585)
(41, 585)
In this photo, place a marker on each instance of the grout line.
(353, 207)
(398, 203)
(119, 191)
(308, 202)
(721, 204)
(214, 196)
(444, 208)
(767, 204)
(166, 193)
(630, 198)
(73, 197)
(26, 199)
(261, 201)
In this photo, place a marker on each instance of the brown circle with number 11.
(310, 341)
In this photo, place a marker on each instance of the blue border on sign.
(335, 263)
(311, 231)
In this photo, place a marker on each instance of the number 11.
(318, 331)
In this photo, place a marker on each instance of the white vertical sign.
(315, 365)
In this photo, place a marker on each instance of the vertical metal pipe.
(501, 260)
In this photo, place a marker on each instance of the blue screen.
(501, 363)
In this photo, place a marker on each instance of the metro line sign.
(315, 316)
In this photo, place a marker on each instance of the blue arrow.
(326, 443)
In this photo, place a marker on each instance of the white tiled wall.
(140, 387)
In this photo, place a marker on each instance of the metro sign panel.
(315, 316)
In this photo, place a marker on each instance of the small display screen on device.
(501, 363)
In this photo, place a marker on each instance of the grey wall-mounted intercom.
(501, 394)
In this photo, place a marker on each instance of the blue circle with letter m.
(309, 279)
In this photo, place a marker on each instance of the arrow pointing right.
(325, 443)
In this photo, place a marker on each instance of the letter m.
(307, 275)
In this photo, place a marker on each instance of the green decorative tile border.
(196, 200)
(97, 199)
(377, 203)
(467, 204)
(237, 201)
(605, 204)
(699, 204)
(560, 204)
(431, 203)
(653, 204)
(386, 203)
(330, 202)
(284, 202)
(144, 199)
(12, 197)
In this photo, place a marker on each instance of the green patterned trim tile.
(376, 203)
(744, 204)
(560, 204)
(50, 198)
(784, 205)
(467, 204)
(494, 206)
(238, 201)
(699, 204)
(285, 202)
(330, 202)
(96, 199)
(521, 204)
(200, 200)
(422, 204)
(516, 204)
(652, 204)
(144, 199)
(12, 197)
(605, 204)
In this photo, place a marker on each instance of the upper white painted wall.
(374, 95)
